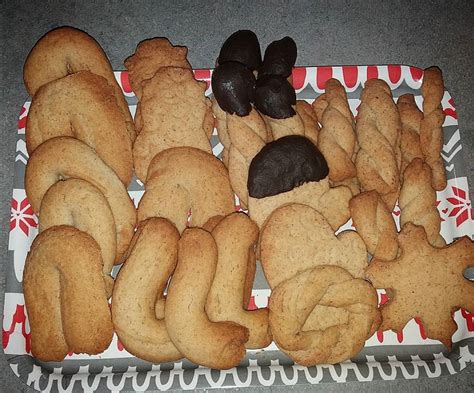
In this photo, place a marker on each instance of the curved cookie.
(82, 106)
(63, 158)
(65, 295)
(219, 345)
(297, 237)
(174, 113)
(323, 315)
(185, 178)
(236, 236)
(79, 204)
(67, 50)
(151, 260)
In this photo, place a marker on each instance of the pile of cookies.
(189, 259)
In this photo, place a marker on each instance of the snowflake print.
(22, 215)
(461, 206)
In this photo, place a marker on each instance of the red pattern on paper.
(19, 317)
(372, 72)
(350, 74)
(203, 75)
(322, 76)
(469, 317)
(422, 329)
(252, 305)
(416, 73)
(461, 206)
(22, 122)
(120, 346)
(394, 73)
(125, 81)
(299, 77)
(451, 111)
(22, 215)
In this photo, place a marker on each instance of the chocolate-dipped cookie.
(275, 97)
(279, 58)
(243, 47)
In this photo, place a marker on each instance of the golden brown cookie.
(425, 282)
(375, 225)
(310, 120)
(83, 106)
(418, 201)
(151, 259)
(431, 126)
(297, 237)
(65, 295)
(323, 315)
(174, 113)
(64, 51)
(236, 237)
(183, 179)
(219, 345)
(63, 158)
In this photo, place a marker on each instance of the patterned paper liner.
(408, 354)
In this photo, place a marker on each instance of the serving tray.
(386, 355)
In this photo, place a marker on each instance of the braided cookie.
(219, 345)
(378, 131)
(151, 260)
(410, 116)
(174, 113)
(82, 105)
(431, 127)
(323, 315)
(75, 202)
(65, 51)
(236, 237)
(65, 295)
(185, 178)
(418, 201)
(63, 158)
(297, 237)
(375, 225)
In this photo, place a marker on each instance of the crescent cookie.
(183, 179)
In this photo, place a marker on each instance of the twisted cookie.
(185, 178)
(82, 105)
(323, 315)
(375, 225)
(378, 130)
(63, 158)
(219, 345)
(65, 295)
(64, 51)
(431, 127)
(236, 237)
(151, 260)
(418, 201)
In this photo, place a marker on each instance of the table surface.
(421, 33)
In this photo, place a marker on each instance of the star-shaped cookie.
(425, 282)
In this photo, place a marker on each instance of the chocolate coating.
(274, 97)
(284, 164)
(233, 86)
(279, 58)
(243, 47)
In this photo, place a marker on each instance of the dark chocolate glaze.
(284, 164)
(274, 97)
(233, 85)
(279, 58)
(243, 47)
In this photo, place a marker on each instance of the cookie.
(297, 237)
(65, 295)
(431, 298)
(323, 315)
(64, 51)
(236, 237)
(219, 345)
(174, 113)
(63, 158)
(151, 259)
(375, 225)
(183, 179)
(431, 126)
(83, 106)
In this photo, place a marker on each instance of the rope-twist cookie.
(375, 225)
(64, 51)
(323, 315)
(82, 105)
(63, 158)
(65, 295)
(236, 237)
(378, 131)
(418, 201)
(219, 345)
(139, 287)
(183, 179)
(431, 127)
